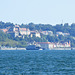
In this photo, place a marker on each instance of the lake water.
(45, 62)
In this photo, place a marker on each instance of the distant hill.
(8, 40)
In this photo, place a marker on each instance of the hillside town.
(17, 31)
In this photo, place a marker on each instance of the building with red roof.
(46, 45)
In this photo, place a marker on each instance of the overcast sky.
(37, 11)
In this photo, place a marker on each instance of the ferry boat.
(34, 47)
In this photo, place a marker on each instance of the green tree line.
(8, 40)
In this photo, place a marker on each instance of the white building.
(35, 33)
(44, 32)
(50, 33)
(61, 45)
(66, 34)
(61, 33)
(47, 33)
(49, 45)
(46, 45)
(24, 31)
(16, 34)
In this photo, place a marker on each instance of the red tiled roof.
(4, 30)
(44, 42)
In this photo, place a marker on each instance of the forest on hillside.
(8, 40)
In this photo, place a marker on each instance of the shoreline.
(55, 48)
(12, 48)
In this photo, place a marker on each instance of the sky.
(37, 11)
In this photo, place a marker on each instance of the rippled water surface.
(43, 62)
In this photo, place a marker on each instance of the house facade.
(35, 33)
(46, 45)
